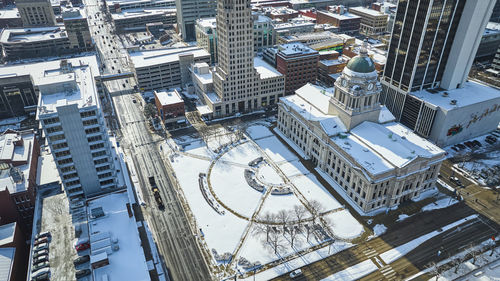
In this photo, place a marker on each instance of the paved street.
(401, 233)
(176, 243)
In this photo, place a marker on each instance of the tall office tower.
(241, 82)
(495, 15)
(73, 123)
(36, 13)
(433, 45)
(188, 11)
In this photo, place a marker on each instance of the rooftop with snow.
(114, 236)
(148, 58)
(472, 92)
(16, 152)
(32, 34)
(168, 98)
(141, 12)
(264, 69)
(295, 49)
(377, 147)
(68, 83)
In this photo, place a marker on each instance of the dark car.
(456, 181)
(40, 266)
(461, 146)
(83, 246)
(82, 259)
(82, 273)
(454, 148)
(478, 143)
(41, 240)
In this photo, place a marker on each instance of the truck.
(156, 193)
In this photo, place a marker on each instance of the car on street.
(134, 100)
(456, 181)
(40, 266)
(296, 273)
(82, 259)
(82, 273)
(124, 86)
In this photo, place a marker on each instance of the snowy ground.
(234, 231)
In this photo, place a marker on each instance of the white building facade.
(371, 161)
(73, 124)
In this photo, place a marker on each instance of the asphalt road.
(176, 243)
(407, 230)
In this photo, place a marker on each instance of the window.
(87, 114)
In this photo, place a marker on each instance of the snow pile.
(354, 272)
(345, 226)
(258, 132)
(443, 203)
(379, 229)
(445, 185)
(402, 217)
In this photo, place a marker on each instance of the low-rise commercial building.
(19, 153)
(338, 17)
(77, 29)
(9, 17)
(294, 26)
(282, 14)
(489, 43)
(372, 22)
(138, 18)
(13, 252)
(18, 95)
(166, 68)
(329, 69)
(116, 6)
(298, 63)
(170, 107)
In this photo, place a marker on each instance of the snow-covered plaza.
(255, 206)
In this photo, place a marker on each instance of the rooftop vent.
(453, 102)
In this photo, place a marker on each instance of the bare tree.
(266, 226)
(150, 110)
(474, 253)
(293, 230)
(308, 228)
(457, 263)
(282, 218)
(316, 209)
(435, 270)
(276, 241)
(299, 212)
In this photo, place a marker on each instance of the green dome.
(361, 64)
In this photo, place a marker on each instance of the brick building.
(19, 153)
(13, 253)
(298, 63)
(339, 18)
(170, 107)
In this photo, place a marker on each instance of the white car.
(295, 273)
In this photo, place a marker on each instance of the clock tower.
(357, 92)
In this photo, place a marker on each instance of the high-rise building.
(241, 82)
(36, 12)
(432, 46)
(188, 11)
(73, 123)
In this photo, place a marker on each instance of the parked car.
(82, 259)
(41, 253)
(83, 246)
(82, 273)
(41, 247)
(489, 141)
(461, 146)
(295, 273)
(478, 143)
(469, 144)
(41, 240)
(42, 274)
(43, 234)
(40, 259)
(456, 181)
(39, 266)
(454, 148)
